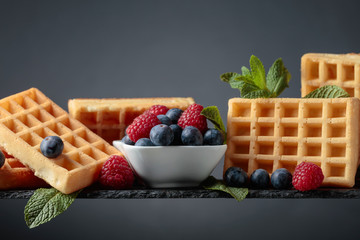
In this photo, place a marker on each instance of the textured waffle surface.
(110, 117)
(281, 133)
(15, 175)
(318, 70)
(28, 117)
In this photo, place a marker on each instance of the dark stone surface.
(143, 193)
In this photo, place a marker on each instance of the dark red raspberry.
(141, 126)
(307, 176)
(116, 173)
(158, 109)
(191, 117)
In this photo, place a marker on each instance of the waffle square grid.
(318, 70)
(28, 117)
(281, 133)
(14, 174)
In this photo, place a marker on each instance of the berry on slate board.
(52, 146)
(158, 109)
(213, 137)
(235, 177)
(177, 130)
(191, 136)
(116, 173)
(2, 159)
(127, 140)
(281, 179)
(144, 142)
(174, 114)
(260, 178)
(307, 176)
(191, 117)
(141, 126)
(161, 135)
(164, 119)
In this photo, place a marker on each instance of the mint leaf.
(257, 72)
(212, 183)
(258, 94)
(213, 115)
(329, 91)
(254, 84)
(245, 71)
(229, 76)
(277, 78)
(248, 89)
(45, 204)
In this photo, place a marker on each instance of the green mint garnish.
(45, 204)
(212, 183)
(254, 83)
(213, 115)
(329, 91)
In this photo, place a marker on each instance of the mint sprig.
(255, 84)
(45, 204)
(212, 113)
(212, 183)
(329, 91)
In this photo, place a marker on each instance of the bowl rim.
(171, 146)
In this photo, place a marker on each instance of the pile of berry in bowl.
(172, 148)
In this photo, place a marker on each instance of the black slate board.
(140, 192)
(145, 193)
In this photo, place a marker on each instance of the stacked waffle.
(109, 117)
(15, 175)
(318, 70)
(27, 118)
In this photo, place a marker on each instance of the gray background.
(72, 49)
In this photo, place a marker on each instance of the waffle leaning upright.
(283, 132)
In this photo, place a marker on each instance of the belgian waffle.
(15, 175)
(28, 117)
(109, 117)
(281, 133)
(342, 70)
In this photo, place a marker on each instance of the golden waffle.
(28, 117)
(342, 70)
(15, 175)
(281, 133)
(110, 117)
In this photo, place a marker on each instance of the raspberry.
(158, 109)
(141, 126)
(191, 117)
(116, 173)
(307, 176)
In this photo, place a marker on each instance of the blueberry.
(174, 114)
(161, 135)
(213, 137)
(164, 119)
(144, 142)
(260, 178)
(177, 130)
(52, 146)
(281, 179)
(127, 140)
(235, 177)
(191, 136)
(2, 159)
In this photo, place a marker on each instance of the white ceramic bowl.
(172, 166)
